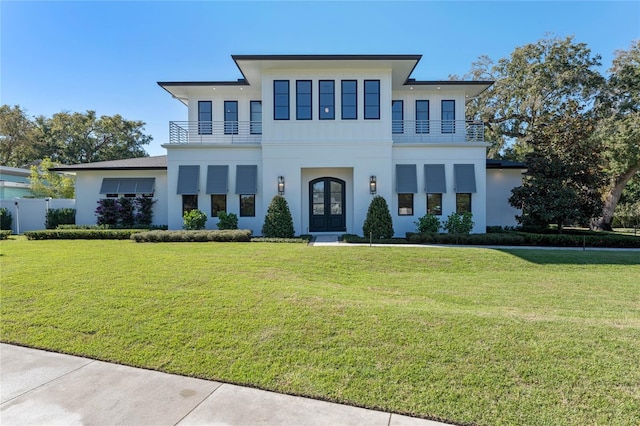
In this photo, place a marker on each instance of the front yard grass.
(463, 335)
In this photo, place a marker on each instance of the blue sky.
(108, 56)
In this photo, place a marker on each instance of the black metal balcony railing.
(434, 131)
(250, 132)
(235, 132)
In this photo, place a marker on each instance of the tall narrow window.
(463, 202)
(218, 204)
(230, 117)
(397, 116)
(372, 99)
(189, 202)
(349, 100)
(204, 118)
(327, 102)
(255, 127)
(434, 204)
(405, 204)
(281, 99)
(247, 205)
(303, 100)
(422, 116)
(448, 116)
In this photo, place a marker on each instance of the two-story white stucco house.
(326, 131)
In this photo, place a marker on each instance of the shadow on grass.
(576, 257)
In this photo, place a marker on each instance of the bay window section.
(281, 99)
(327, 99)
(372, 99)
(349, 100)
(303, 100)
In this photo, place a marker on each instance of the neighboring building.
(328, 132)
(14, 183)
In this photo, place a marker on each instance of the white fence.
(29, 214)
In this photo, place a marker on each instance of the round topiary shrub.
(227, 220)
(278, 222)
(378, 223)
(194, 219)
(428, 223)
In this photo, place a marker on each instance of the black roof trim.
(329, 57)
(504, 164)
(78, 169)
(239, 82)
(411, 82)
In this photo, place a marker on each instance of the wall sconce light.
(373, 186)
(280, 185)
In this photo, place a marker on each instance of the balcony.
(215, 132)
(436, 131)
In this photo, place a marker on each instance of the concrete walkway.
(46, 388)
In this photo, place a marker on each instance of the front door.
(326, 205)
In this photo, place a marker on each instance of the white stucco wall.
(500, 182)
(88, 185)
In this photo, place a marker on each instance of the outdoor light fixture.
(373, 186)
(280, 185)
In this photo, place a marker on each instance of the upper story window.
(397, 116)
(281, 99)
(303, 100)
(448, 116)
(204, 118)
(349, 99)
(230, 117)
(327, 99)
(422, 116)
(255, 126)
(372, 99)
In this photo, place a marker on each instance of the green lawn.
(464, 335)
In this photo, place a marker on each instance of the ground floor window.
(405, 204)
(189, 202)
(247, 205)
(218, 204)
(434, 204)
(463, 203)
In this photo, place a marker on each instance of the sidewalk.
(39, 387)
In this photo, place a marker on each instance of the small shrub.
(459, 223)
(278, 222)
(4, 234)
(57, 217)
(428, 223)
(194, 220)
(378, 222)
(227, 220)
(5, 218)
(107, 211)
(144, 210)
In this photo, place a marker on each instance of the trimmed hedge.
(279, 240)
(516, 238)
(236, 235)
(353, 238)
(82, 234)
(141, 227)
(4, 234)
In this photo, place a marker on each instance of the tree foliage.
(45, 183)
(563, 171)
(68, 138)
(618, 110)
(378, 222)
(278, 222)
(535, 80)
(17, 137)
